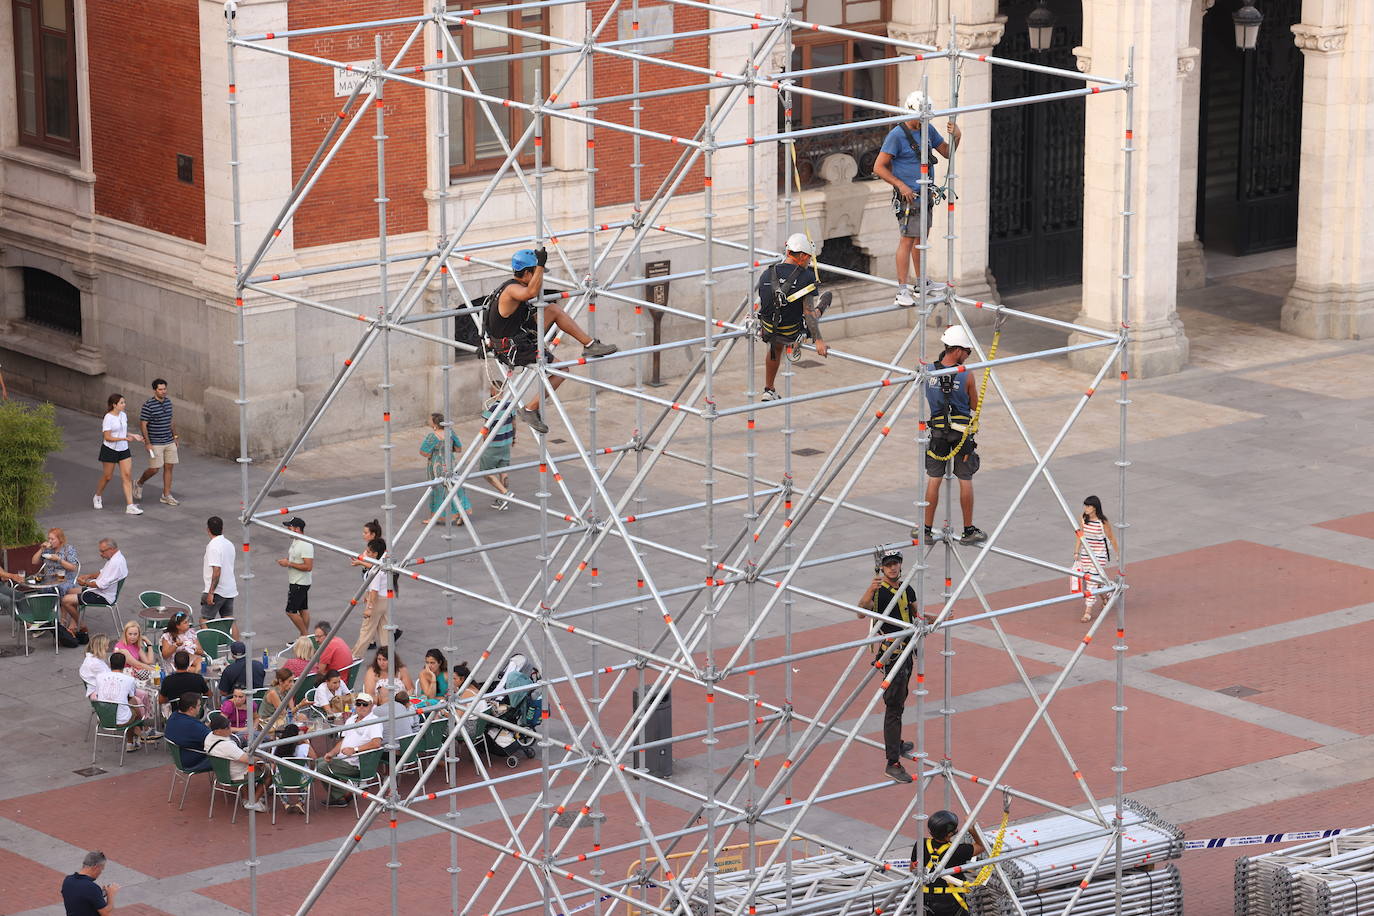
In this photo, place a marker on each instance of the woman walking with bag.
(1094, 538)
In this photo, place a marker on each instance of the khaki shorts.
(162, 454)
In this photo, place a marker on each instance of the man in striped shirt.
(160, 435)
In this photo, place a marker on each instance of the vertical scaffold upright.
(770, 787)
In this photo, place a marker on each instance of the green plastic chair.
(107, 726)
(350, 675)
(367, 778)
(292, 783)
(226, 784)
(214, 643)
(160, 604)
(305, 686)
(113, 607)
(37, 614)
(223, 624)
(179, 771)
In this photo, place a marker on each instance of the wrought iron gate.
(1249, 132)
(1035, 218)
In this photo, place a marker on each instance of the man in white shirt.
(101, 588)
(299, 563)
(218, 573)
(220, 743)
(114, 686)
(364, 734)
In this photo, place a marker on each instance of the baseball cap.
(295, 522)
(362, 698)
(238, 649)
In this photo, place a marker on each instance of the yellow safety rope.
(972, 426)
(815, 266)
(985, 872)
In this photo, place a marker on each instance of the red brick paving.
(1360, 525)
(1311, 676)
(1201, 594)
(1207, 873)
(26, 885)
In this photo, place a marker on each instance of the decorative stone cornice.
(1084, 59)
(906, 31)
(1187, 60)
(981, 35)
(1322, 39)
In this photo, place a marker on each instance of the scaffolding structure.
(762, 533)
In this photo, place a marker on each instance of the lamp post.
(1247, 20)
(1040, 25)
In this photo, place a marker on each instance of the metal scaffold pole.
(645, 562)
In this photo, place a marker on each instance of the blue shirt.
(906, 165)
(82, 896)
(187, 733)
(158, 415)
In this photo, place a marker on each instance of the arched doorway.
(1249, 132)
(1035, 206)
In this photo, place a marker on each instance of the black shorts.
(111, 456)
(966, 462)
(297, 598)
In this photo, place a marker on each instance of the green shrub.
(28, 434)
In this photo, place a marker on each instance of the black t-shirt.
(929, 851)
(179, 682)
(82, 896)
(885, 602)
(791, 279)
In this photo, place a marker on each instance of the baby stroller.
(515, 700)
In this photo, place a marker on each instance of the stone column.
(1333, 296)
(1192, 265)
(1111, 28)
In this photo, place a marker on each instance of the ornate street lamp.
(1040, 24)
(1247, 20)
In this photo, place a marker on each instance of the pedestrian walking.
(373, 632)
(789, 308)
(1092, 552)
(953, 400)
(81, 896)
(496, 453)
(300, 564)
(897, 603)
(160, 435)
(218, 574)
(438, 466)
(114, 452)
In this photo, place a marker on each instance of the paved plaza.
(1251, 619)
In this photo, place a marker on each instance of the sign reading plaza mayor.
(345, 81)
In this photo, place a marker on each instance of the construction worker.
(942, 897)
(953, 400)
(887, 596)
(789, 308)
(899, 164)
(511, 331)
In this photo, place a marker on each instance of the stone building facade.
(116, 219)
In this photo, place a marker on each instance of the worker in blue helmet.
(513, 316)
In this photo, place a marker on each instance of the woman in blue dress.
(433, 449)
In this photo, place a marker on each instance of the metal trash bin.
(658, 727)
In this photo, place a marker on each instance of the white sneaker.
(255, 806)
(138, 491)
(132, 509)
(769, 395)
(501, 503)
(97, 502)
(904, 297)
(169, 500)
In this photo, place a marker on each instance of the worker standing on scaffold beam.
(953, 400)
(789, 308)
(899, 164)
(511, 325)
(897, 603)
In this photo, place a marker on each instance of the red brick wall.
(341, 207)
(145, 109)
(678, 115)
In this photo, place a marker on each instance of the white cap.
(799, 243)
(956, 337)
(915, 100)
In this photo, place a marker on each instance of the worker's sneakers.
(769, 395)
(926, 534)
(532, 419)
(895, 772)
(908, 747)
(904, 297)
(972, 535)
(598, 348)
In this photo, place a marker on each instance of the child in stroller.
(514, 700)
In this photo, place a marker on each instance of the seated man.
(116, 686)
(336, 655)
(511, 325)
(233, 675)
(187, 732)
(364, 734)
(100, 588)
(222, 744)
(182, 680)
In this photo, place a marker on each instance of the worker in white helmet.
(953, 398)
(789, 308)
(899, 164)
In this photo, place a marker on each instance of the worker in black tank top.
(944, 898)
(514, 310)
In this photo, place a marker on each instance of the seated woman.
(280, 692)
(180, 635)
(59, 561)
(302, 650)
(96, 662)
(139, 659)
(332, 695)
(381, 674)
(433, 679)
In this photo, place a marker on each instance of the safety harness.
(949, 421)
(514, 346)
(903, 610)
(933, 855)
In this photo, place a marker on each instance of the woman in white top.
(95, 662)
(114, 450)
(1091, 552)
